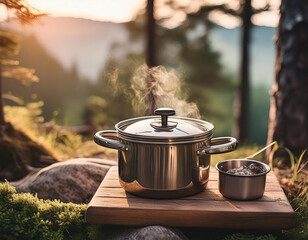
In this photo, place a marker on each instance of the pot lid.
(164, 128)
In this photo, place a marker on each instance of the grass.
(241, 152)
(300, 231)
(62, 143)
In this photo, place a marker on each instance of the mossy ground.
(24, 216)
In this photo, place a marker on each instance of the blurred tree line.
(71, 100)
(61, 90)
(18, 151)
(244, 11)
(186, 49)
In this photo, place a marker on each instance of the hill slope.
(88, 44)
(75, 41)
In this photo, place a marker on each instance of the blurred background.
(86, 54)
(69, 68)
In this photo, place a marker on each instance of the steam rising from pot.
(156, 87)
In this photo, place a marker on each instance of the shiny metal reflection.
(163, 171)
(241, 187)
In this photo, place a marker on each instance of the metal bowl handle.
(219, 145)
(108, 139)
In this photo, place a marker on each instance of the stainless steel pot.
(164, 158)
(241, 187)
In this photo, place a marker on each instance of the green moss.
(24, 216)
(300, 231)
(245, 236)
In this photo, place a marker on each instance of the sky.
(103, 10)
(125, 10)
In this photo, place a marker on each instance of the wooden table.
(112, 205)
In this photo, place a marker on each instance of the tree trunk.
(288, 118)
(150, 58)
(240, 130)
(2, 121)
(150, 36)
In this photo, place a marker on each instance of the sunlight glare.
(224, 20)
(102, 10)
(126, 10)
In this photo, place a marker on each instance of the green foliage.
(195, 63)
(96, 107)
(188, 50)
(114, 87)
(258, 114)
(9, 44)
(62, 143)
(297, 164)
(24, 216)
(60, 89)
(300, 231)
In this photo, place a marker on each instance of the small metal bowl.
(241, 187)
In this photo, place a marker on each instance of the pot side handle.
(109, 139)
(219, 145)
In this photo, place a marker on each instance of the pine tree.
(9, 47)
(244, 12)
(17, 150)
(288, 123)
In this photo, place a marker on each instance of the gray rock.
(144, 233)
(75, 180)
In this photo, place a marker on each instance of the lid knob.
(164, 124)
(164, 112)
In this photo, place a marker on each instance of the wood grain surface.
(112, 205)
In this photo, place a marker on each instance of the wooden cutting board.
(112, 205)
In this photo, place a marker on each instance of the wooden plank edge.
(203, 200)
(172, 218)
